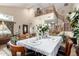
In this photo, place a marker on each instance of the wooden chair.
(14, 49)
(67, 50)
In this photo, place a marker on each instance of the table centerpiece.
(42, 30)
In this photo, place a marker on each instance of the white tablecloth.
(47, 46)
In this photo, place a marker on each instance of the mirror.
(25, 29)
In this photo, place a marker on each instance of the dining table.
(47, 46)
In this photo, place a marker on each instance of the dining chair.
(67, 50)
(24, 51)
(15, 49)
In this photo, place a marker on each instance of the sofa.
(4, 40)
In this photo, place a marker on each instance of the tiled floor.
(6, 52)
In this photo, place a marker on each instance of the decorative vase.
(39, 36)
(45, 34)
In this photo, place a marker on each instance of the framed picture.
(25, 29)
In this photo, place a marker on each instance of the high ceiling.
(30, 5)
(25, 5)
(61, 8)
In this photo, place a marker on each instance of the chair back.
(14, 49)
(68, 47)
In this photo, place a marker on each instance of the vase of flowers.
(42, 30)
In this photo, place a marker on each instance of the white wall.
(21, 16)
(76, 5)
(26, 16)
(41, 19)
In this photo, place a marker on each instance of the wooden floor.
(6, 52)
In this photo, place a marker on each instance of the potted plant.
(73, 18)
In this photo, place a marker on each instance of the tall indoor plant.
(73, 18)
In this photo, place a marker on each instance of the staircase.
(66, 25)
